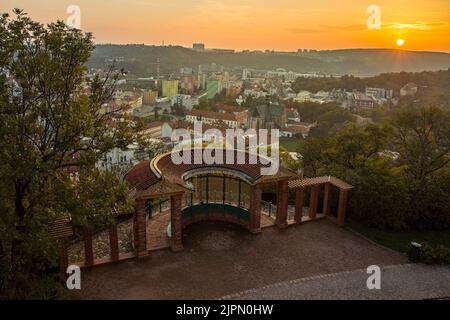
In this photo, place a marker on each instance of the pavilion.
(214, 192)
(220, 192)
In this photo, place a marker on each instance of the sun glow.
(400, 42)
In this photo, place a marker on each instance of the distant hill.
(141, 60)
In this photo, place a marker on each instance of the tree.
(422, 138)
(400, 170)
(52, 121)
(149, 148)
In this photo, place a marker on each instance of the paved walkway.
(407, 281)
(157, 231)
(221, 259)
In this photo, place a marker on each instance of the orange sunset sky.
(283, 25)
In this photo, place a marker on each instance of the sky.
(282, 25)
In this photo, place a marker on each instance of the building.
(360, 100)
(409, 89)
(232, 88)
(156, 130)
(186, 71)
(293, 115)
(149, 97)
(198, 46)
(303, 96)
(201, 81)
(298, 130)
(212, 117)
(267, 116)
(183, 100)
(119, 159)
(187, 84)
(169, 88)
(213, 87)
(380, 93)
(132, 100)
(219, 50)
(246, 74)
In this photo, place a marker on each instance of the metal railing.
(268, 208)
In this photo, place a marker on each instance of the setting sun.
(400, 42)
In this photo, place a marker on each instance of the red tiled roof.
(141, 176)
(300, 183)
(297, 129)
(212, 115)
(229, 108)
(152, 124)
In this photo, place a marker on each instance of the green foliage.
(93, 197)
(400, 170)
(400, 240)
(435, 255)
(329, 117)
(52, 123)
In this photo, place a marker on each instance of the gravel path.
(407, 281)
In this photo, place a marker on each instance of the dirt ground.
(221, 259)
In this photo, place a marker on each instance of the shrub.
(435, 255)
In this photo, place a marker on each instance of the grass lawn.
(290, 144)
(400, 240)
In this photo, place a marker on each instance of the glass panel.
(245, 195)
(232, 189)
(215, 189)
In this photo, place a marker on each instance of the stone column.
(326, 199)
(140, 228)
(88, 250)
(313, 199)
(255, 208)
(176, 241)
(282, 203)
(342, 207)
(298, 204)
(113, 243)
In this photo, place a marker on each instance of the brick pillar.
(298, 204)
(113, 243)
(63, 258)
(88, 250)
(313, 199)
(140, 228)
(282, 203)
(326, 199)
(255, 208)
(342, 207)
(176, 241)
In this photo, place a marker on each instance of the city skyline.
(285, 26)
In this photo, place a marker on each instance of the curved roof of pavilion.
(160, 174)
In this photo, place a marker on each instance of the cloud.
(303, 31)
(353, 27)
(415, 26)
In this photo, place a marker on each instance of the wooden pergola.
(314, 184)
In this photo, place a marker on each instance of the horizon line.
(263, 50)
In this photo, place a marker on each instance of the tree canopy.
(53, 131)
